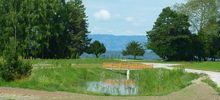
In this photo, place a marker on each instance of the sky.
(124, 17)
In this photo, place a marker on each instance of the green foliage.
(44, 28)
(218, 55)
(170, 37)
(200, 13)
(134, 48)
(96, 48)
(204, 20)
(12, 68)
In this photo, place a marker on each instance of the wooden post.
(128, 74)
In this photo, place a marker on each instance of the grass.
(162, 81)
(212, 84)
(158, 61)
(71, 61)
(81, 63)
(73, 75)
(208, 65)
(61, 79)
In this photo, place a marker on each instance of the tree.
(217, 42)
(200, 13)
(76, 28)
(45, 28)
(134, 48)
(96, 48)
(170, 37)
(12, 68)
(203, 15)
(218, 55)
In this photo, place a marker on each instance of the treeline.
(44, 28)
(188, 31)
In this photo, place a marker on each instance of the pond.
(114, 87)
(99, 81)
(141, 82)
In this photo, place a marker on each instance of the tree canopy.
(96, 48)
(135, 49)
(204, 18)
(200, 13)
(170, 37)
(45, 28)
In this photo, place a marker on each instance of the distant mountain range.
(117, 43)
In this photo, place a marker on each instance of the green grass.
(71, 61)
(162, 81)
(208, 66)
(212, 84)
(81, 63)
(158, 61)
(60, 79)
(65, 77)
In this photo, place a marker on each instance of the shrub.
(14, 70)
(11, 67)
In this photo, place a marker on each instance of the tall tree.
(135, 49)
(45, 28)
(200, 12)
(170, 37)
(203, 16)
(76, 28)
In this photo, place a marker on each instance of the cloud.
(132, 20)
(103, 15)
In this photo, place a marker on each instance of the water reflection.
(113, 87)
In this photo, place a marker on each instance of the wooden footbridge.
(127, 67)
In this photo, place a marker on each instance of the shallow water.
(113, 87)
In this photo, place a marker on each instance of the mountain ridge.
(117, 42)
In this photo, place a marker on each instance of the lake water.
(149, 55)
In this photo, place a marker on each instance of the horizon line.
(114, 34)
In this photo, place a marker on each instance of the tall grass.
(162, 81)
(70, 79)
(60, 79)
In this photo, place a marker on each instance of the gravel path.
(215, 76)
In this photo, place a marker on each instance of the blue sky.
(124, 17)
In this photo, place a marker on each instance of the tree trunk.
(97, 56)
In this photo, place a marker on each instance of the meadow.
(74, 75)
(204, 65)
